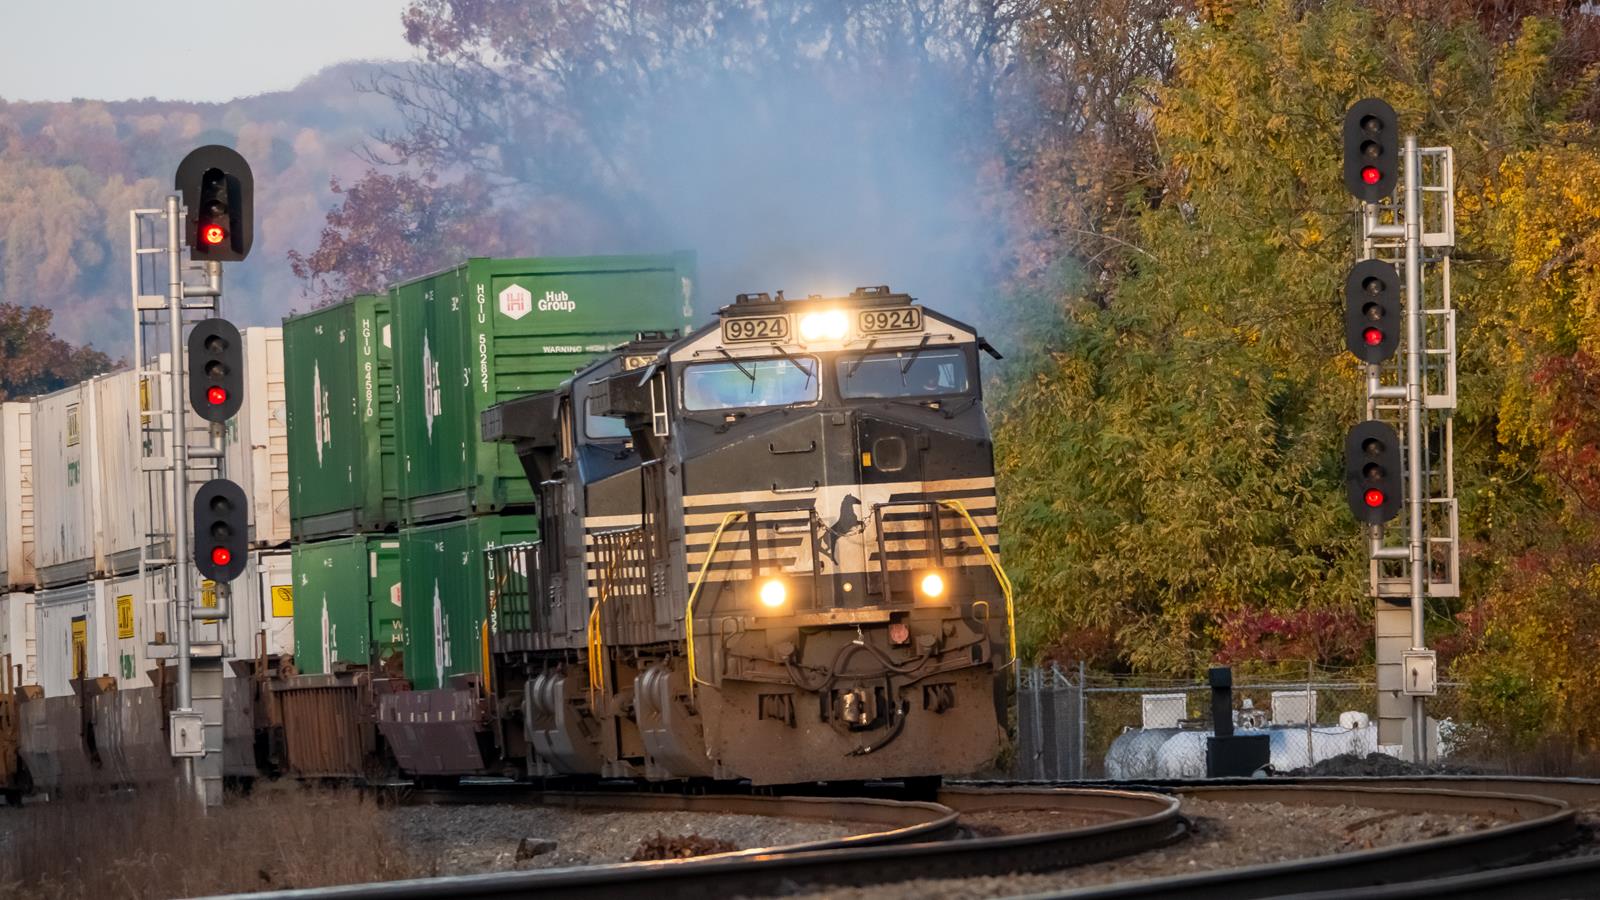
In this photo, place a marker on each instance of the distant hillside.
(69, 173)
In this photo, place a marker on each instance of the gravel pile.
(459, 840)
(1227, 835)
(1350, 765)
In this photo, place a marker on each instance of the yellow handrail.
(999, 574)
(596, 640)
(688, 609)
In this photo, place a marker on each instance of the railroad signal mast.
(1398, 463)
(210, 216)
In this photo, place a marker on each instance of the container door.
(277, 603)
(386, 606)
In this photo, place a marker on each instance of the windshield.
(598, 427)
(750, 382)
(904, 373)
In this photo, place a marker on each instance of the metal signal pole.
(179, 448)
(211, 219)
(1413, 442)
(1407, 220)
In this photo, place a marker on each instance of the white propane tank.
(1133, 754)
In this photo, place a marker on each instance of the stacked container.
(446, 609)
(349, 594)
(125, 511)
(394, 496)
(89, 442)
(343, 476)
(470, 337)
(18, 638)
(72, 634)
(343, 483)
(261, 609)
(495, 329)
(65, 469)
(16, 497)
(257, 439)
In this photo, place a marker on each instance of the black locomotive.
(769, 552)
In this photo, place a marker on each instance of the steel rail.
(1540, 824)
(1557, 879)
(902, 821)
(1577, 791)
(1138, 822)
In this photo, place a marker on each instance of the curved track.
(1537, 820)
(1537, 824)
(1124, 822)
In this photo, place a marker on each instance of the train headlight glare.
(773, 593)
(825, 325)
(932, 585)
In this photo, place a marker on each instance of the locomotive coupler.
(856, 708)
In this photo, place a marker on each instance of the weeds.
(156, 844)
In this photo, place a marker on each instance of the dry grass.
(154, 845)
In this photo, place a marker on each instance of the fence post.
(1083, 721)
(1311, 754)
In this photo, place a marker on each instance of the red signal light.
(1372, 336)
(212, 234)
(216, 396)
(1374, 498)
(1371, 175)
(220, 556)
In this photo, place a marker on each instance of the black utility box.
(1238, 756)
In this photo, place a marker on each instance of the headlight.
(932, 585)
(829, 325)
(773, 593)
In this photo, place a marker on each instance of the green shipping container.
(494, 329)
(343, 465)
(446, 600)
(347, 610)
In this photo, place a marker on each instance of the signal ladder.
(1391, 578)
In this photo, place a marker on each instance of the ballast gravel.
(1226, 835)
(461, 840)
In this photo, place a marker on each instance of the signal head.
(1372, 311)
(221, 530)
(1372, 472)
(1371, 150)
(217, 189)
(216, 370)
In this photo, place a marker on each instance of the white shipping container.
(17, 637)
(65, 469)
(129, 509)
(16, 496)
(131, 623)
(258, 439)
(71, 639)
(262, 603)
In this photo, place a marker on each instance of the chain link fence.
(1074, 724)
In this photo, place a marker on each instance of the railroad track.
(1119, 823)
(1576, 791)
(1116, 823)
(1536, 824)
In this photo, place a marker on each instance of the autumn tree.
(34, 361)
(1172, 467)
(394, 225)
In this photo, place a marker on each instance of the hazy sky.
(112, 49)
